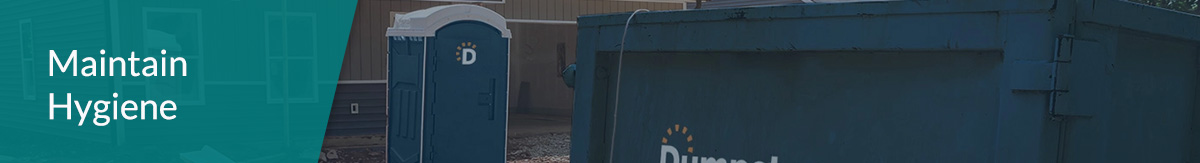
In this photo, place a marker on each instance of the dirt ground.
(531, 139)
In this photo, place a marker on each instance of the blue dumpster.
(1018, 81)
(447, 85)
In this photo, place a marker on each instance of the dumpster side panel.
(587, 122)
(816, 107)
(945, 34)
(1137, 91)
(1156, 84)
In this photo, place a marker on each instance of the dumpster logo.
(466, 53)
(680, 133)
(683, 132)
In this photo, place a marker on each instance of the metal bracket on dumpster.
(1044, 77)
(1058, 88)
(1041, 75)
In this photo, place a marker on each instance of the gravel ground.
(538, 148)
(544, 148)
(531, 139)
(547, 159)
(352, 155)
(353, 149)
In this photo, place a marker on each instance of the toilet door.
(467, 116)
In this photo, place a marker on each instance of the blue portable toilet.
(447, 85)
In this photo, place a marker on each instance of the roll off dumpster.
(901, 81)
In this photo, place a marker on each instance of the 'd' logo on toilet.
(466, 53)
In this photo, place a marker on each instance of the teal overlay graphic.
(260, 76)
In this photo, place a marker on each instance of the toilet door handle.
(488, 99)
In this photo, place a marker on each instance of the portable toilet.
(447, 85)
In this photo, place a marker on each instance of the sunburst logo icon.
(682, 132)
(465, 53)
